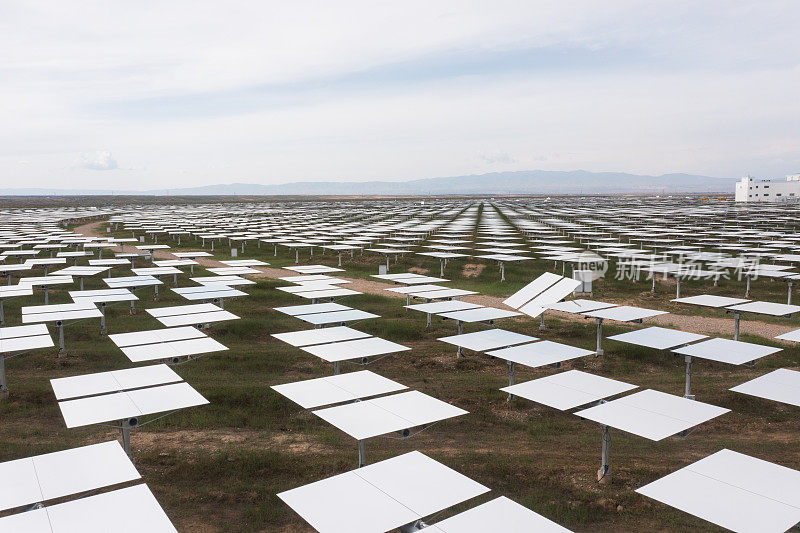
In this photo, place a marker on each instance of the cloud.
(100, 160)
(281, 91)
(493, 158)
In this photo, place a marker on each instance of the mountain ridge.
(512, 182)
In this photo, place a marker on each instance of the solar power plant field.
(511, 364)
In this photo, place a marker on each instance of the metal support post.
(174, 279)
(413, 527)
(296, 255)
(61, 348)
(653, 288)
(542, 326)
(155, 297)
(3, 315)
(511, 367)
(133, 307)
(362, 453)
(604, 474)
(502, 271)
(125, 426)
(81, 280)
(340, 258)
(429, 321)
(102, 318)
(678, 289)
(736, 318)
(747, 290)
(387, 262)
(599, 336)
(441, 268)
(789, 294)
(688, 392)
(46, 295)
(337, 368)
(460, 352)
(3, 383)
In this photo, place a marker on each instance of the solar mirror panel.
(766, 308)
(489, 339)
(710, 300)
(652, 414)
(793, 336)
(327, 293)
(382, 496)
(658, 338)
(17, 338)
(387, 414)
(579, 306)
(782, 385)
(480, 314)
(354, 349)
(500, 514)
(94, 514)
(230, 281)
(570, 389)
(444, 306)
(625, 313)
(121, 405)
(115, 380)
(296, 310)
(54, 475)
(557, 292)
(734, 491)
(538, 354)
(334, 317)
(330, 390)
(309, 337)
(727, 351)
(443, 293)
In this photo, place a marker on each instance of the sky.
(155, 95)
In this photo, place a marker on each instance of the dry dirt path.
(698, 324)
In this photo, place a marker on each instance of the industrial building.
(768, 190)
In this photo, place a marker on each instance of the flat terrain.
(218, 467)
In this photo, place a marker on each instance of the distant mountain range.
(520, 182)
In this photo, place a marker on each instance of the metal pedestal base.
(125, 427)
(688, 388)
(62, 350)
(362, 453)
(604, 474)
(103, 330)
(599, 336)
(512, 366)
(3, 383)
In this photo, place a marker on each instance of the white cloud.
(100, 160)
(497, 157)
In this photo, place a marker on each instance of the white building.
(768, 190)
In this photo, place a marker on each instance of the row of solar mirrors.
(121, 397)
(366, 405)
